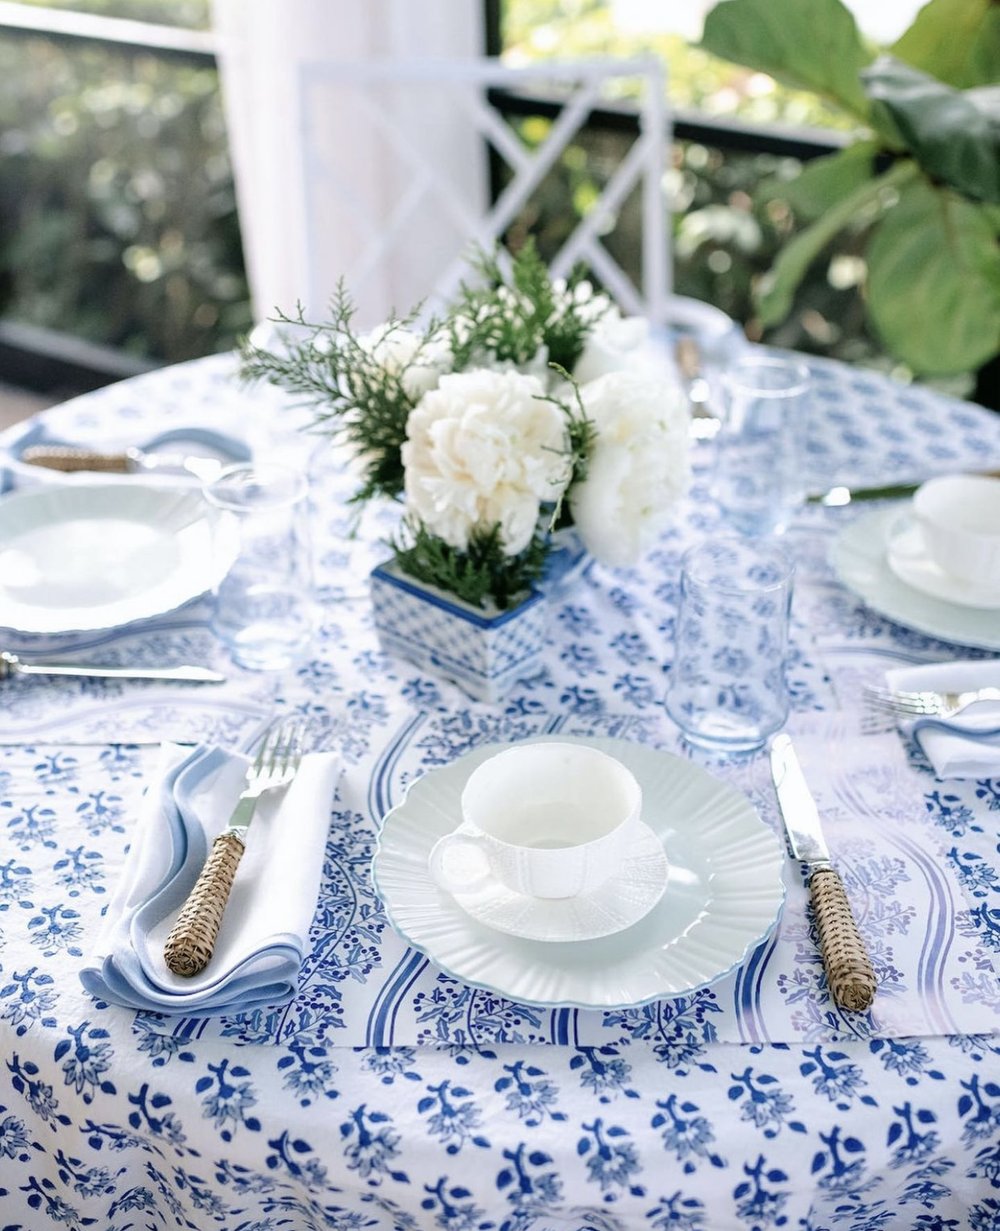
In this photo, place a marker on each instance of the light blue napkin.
(264, 934)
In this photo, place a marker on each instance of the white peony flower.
(614, 343)
(481, 449)
(639, 465)
(396, 348)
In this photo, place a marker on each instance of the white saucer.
(723, 892)
(860, 559)
(621, 901)
(910, 561)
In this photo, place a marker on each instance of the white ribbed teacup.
(959, 516)
(549, 820)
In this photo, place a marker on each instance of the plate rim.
(217, 563)
(608, 744)
(851, 538)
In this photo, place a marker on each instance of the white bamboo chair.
(395, 159)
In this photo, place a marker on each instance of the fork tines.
(897, 702)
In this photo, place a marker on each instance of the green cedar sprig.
(512, 316)
(477, 574)
(353, 394)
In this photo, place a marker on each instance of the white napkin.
(264, 932)
(967, 746)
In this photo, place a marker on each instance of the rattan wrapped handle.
(848, 967)
(67, 458)
(191, 941)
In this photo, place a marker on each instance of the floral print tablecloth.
(388, 1094)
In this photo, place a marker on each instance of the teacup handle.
(437, 863)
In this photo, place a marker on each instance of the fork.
(887, 704)
(191, 942)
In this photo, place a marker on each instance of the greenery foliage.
(483, 322)
(929, 216)
(477, 575)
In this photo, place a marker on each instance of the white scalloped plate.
(99, 556)
(723, 897)
(859, 556)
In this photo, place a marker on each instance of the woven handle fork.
(191, 942)
(848, 967)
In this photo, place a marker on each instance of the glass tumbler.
(760, 449)
(265, 609)
(727, 689)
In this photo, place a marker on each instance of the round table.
(388, 1094)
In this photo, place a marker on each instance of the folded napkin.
(967, 746)
(264, 932)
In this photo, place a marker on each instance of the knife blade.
(11, 664)
(70, 459)
(848, 967)
(687, 354)
(835, 497)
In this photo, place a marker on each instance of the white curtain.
(299, 239)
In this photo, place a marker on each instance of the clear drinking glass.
(760, 449)
(727, 687)
(265, 608)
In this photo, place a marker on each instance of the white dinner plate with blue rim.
(723, 896)
(82, 558)
(860, 558)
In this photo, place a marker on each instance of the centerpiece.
(529, 410)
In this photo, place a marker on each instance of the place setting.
(932, 564)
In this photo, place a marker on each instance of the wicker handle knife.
(848, 967)
(191, 942)
(69, 459)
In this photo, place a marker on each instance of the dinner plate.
(723, 895)
(622, 900)
(859, 557)
(77, 559)
(910, 560)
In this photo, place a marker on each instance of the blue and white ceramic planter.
(484, 653)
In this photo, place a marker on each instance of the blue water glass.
(727, 689)
(760, 449)
(265, 611)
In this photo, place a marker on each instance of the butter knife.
(848, 967)
(70, 458)
(835, 497)
(10, 665)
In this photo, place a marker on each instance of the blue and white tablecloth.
(389, 1095)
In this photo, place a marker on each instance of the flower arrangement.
(528, 406)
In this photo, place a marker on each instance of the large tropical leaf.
(778, 287)
(957, 41)
(953, 134)
(809, 46)
(934, 281)
(824, 181)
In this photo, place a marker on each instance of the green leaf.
(957, 41)
(824, 181)
(778, 288)
(953, 134)
(812, 46)
(934, 281)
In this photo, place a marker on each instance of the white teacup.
(959, 517)
(549, 820)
